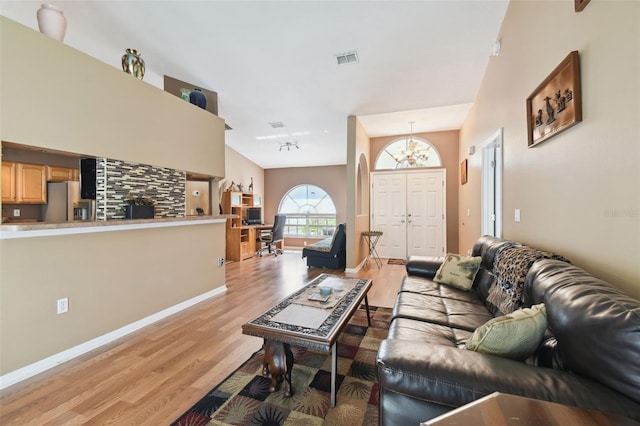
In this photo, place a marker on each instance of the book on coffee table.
(319, 297)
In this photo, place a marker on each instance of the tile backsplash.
(117, 180)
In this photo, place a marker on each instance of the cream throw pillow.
(516, 335)
(458, 271)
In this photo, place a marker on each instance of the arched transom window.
(406, 153)
(310, 212)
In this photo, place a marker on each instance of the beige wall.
(240, 169)
(56, 97)
(447, 145)
(112, 279)
(358, 152)
(202, 200)
(579, 191)
(280, 181)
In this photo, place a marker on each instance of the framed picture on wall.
(556, 104)
(463, 172)
(580, 4)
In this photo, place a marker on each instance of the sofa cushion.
(488, 247)
(597, 326)
(429, 288)
(426, 332)
(458, 271)
(456, 313)
(516, 335)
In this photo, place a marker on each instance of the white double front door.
(409, 208)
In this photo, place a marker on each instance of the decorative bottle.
(198, 98)
(133, 64)
(51, 21)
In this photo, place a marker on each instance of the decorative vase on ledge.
(198, 98)
(133, 64)
(140, 212)
(51, 22)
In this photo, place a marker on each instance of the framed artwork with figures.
(579, 5)
(556, 104)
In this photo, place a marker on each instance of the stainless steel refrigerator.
(64, 203)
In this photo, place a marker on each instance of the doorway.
(409, 208)
(492, 185)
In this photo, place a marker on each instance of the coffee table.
(297, 321)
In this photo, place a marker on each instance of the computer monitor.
(254, 216)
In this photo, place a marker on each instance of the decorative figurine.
(278, 361)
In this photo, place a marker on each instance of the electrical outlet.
(16, 212)
(62, 305)
(220, 261)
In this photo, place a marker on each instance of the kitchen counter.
(42, 229)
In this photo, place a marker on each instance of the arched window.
(407, 153)
(310, 212)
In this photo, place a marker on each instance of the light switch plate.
(516, 215)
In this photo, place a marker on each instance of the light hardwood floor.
(152, 376)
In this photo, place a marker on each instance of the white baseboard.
(357, 268)
(38, 367)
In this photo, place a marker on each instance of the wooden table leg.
(278, 361)
(334, 372)
(366, 304)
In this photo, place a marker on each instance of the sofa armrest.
(424, 267)
(453, 377)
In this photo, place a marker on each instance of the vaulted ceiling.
(276, 62)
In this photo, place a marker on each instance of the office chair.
(273, 236)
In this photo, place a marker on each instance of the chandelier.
(289, 145)
(413, 151)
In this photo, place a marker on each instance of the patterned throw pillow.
(458, 271)
(516, 335)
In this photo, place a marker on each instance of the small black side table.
(372, 238)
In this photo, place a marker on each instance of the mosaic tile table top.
(309, 326)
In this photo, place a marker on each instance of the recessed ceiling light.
(281, 135)
(347, 57)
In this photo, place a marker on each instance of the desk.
(241, 241)
(504, 409)
(372, 238)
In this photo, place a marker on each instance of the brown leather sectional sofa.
(589, 356)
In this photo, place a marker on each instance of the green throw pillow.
(458, 271)
(516, 335)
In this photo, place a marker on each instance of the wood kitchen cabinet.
(24, 183)
(31, 180)
(61, 174)
(8, 182)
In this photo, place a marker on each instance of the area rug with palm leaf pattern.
(243, 398)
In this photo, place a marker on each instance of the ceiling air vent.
(347, 58)
(276, 124)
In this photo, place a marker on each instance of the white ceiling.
(274, 61)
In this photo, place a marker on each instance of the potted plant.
(139, 207)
